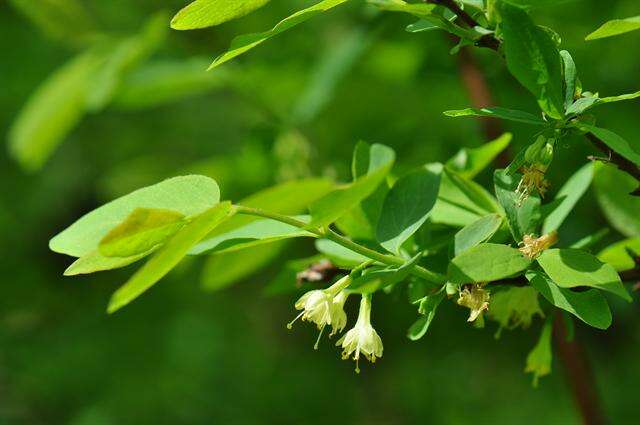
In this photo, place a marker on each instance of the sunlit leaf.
(244, 43)
(207, 13)
(619, 255)
(140, 232)
(188, 195)
(167, 257)
(497, 112)
(615, 27)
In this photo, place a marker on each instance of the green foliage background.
(182, 355)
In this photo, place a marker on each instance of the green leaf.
(615, 27)
(376, 278)
(618, 254)
(532, 58)
(360, 222)
(462, 201)
(485, 263)
(255, 233)
(165, 81)
(244, 43)
(121, 57)
(514, 307)
(477, 232)
(140, 232)
(570, 268)
(167, 257)
(431, 17)
(95, 262)
(417, 9)
(570, 77)
(428, 307)
(339, 255)
(615, 142)
(582, 104)
(226, 268)
(567, 198)
(621, 97)
(539, 359)
(289, 198)
(188, 195)
(497, 112)
(589, 306)
(523, 215)
(407, 206)
(590, 100)
(335, 204)
(613, 188)
(469, 162)
(207, 13)
(52, 111)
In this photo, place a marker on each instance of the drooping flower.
(532, 247)
(324, 307)
(338, 316)
(475, 299)
(362, 338)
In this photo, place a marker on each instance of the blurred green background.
(292, 108)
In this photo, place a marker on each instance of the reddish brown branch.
(488, 40)
(621, 162)
(578, 372)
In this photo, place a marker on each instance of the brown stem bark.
(575, 363)
(621, 162)
(578, 374)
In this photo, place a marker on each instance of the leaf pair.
(168, 218)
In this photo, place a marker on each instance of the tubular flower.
(531, 246)
(362, 338)
(324, 307)
(338, 316)
(475, 299)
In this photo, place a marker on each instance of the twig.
(488, 40)
(491, 42)
(578, 372)
(613, 157)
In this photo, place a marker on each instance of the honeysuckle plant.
(433, 232)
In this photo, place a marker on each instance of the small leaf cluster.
(433, 232)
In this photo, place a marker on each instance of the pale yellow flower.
(362, 338)
(532, 247)
(475, 299)
(324, 307)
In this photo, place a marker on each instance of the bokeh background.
(294, 107)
